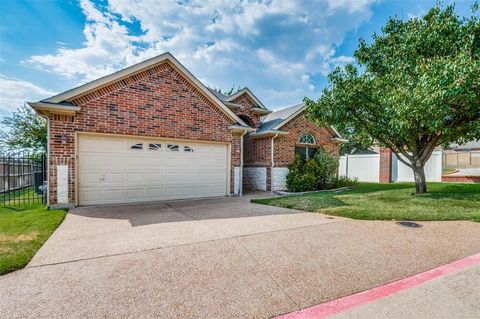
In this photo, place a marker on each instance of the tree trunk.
(420, 182)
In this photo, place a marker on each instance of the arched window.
(307, 149)
(307, 138)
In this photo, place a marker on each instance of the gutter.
(267, 134)
(42, 107)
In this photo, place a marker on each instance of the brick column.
(385, 165)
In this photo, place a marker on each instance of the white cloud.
(274, 47)
(15, 92)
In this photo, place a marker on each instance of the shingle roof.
(466, 146)
(271, 120)
(219, 95)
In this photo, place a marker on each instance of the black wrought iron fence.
(23, 177)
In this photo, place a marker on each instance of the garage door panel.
(90, 179)
(114, 178)
(114, 195)
(135, 162)
(189, 164)
(91, 162)
(134, 194)
(95, 144)
(133, 177)
(111, 172)
(155, 177)
(155, 161)
(156, 193)
(91, 196)
(114, 162)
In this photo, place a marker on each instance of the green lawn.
(23, 230)
(444, 201)
(26, 195)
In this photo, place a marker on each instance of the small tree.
(25, 130)
(417, 86)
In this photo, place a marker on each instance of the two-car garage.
(124, 170)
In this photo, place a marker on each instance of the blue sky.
(282, 50)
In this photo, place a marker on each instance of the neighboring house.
(469, 146)
(153, 131)
(462, 155)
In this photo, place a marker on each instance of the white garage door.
(123, 170)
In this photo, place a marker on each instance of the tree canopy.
(414, 87)
(24, 130)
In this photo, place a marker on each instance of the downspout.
(273, 163)
(240, 187)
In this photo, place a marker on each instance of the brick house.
(153, 131)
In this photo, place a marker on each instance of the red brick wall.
(257, 152)
(460, 179)
(385, 165)
(284, 148)
(246, 110)
(157, 102)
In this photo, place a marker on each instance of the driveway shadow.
(181, 211)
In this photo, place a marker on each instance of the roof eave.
(241, 129)
(261, 111)
(339, 140)
(50, 108)
(268, 133)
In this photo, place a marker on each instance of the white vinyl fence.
(366, 168)
(433, 169)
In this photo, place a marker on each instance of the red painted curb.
(339, 305)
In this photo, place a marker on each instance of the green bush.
(344, 181)
(327, 173)
(314, 174)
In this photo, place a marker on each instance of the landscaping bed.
(23, 230)
(444, 201)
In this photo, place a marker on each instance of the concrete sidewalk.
(218, 258)
(455, 296)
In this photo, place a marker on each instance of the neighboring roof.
(359, 151)
(249, 93)
(467, 146)
(69, 95)
(275, 120)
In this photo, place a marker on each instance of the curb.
(333, 307)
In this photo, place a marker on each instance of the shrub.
(344, 181)
(314, 174)
(328, 165)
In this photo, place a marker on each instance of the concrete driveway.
(218, 258)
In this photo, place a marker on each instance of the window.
(305, 152)
(154, 146)
(173, 147)
(137, 146)
(307, 138)
(188, 149)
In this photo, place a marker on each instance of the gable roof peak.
(247, 91)
(166, 57)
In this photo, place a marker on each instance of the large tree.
(414, 87)
(24, 130)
